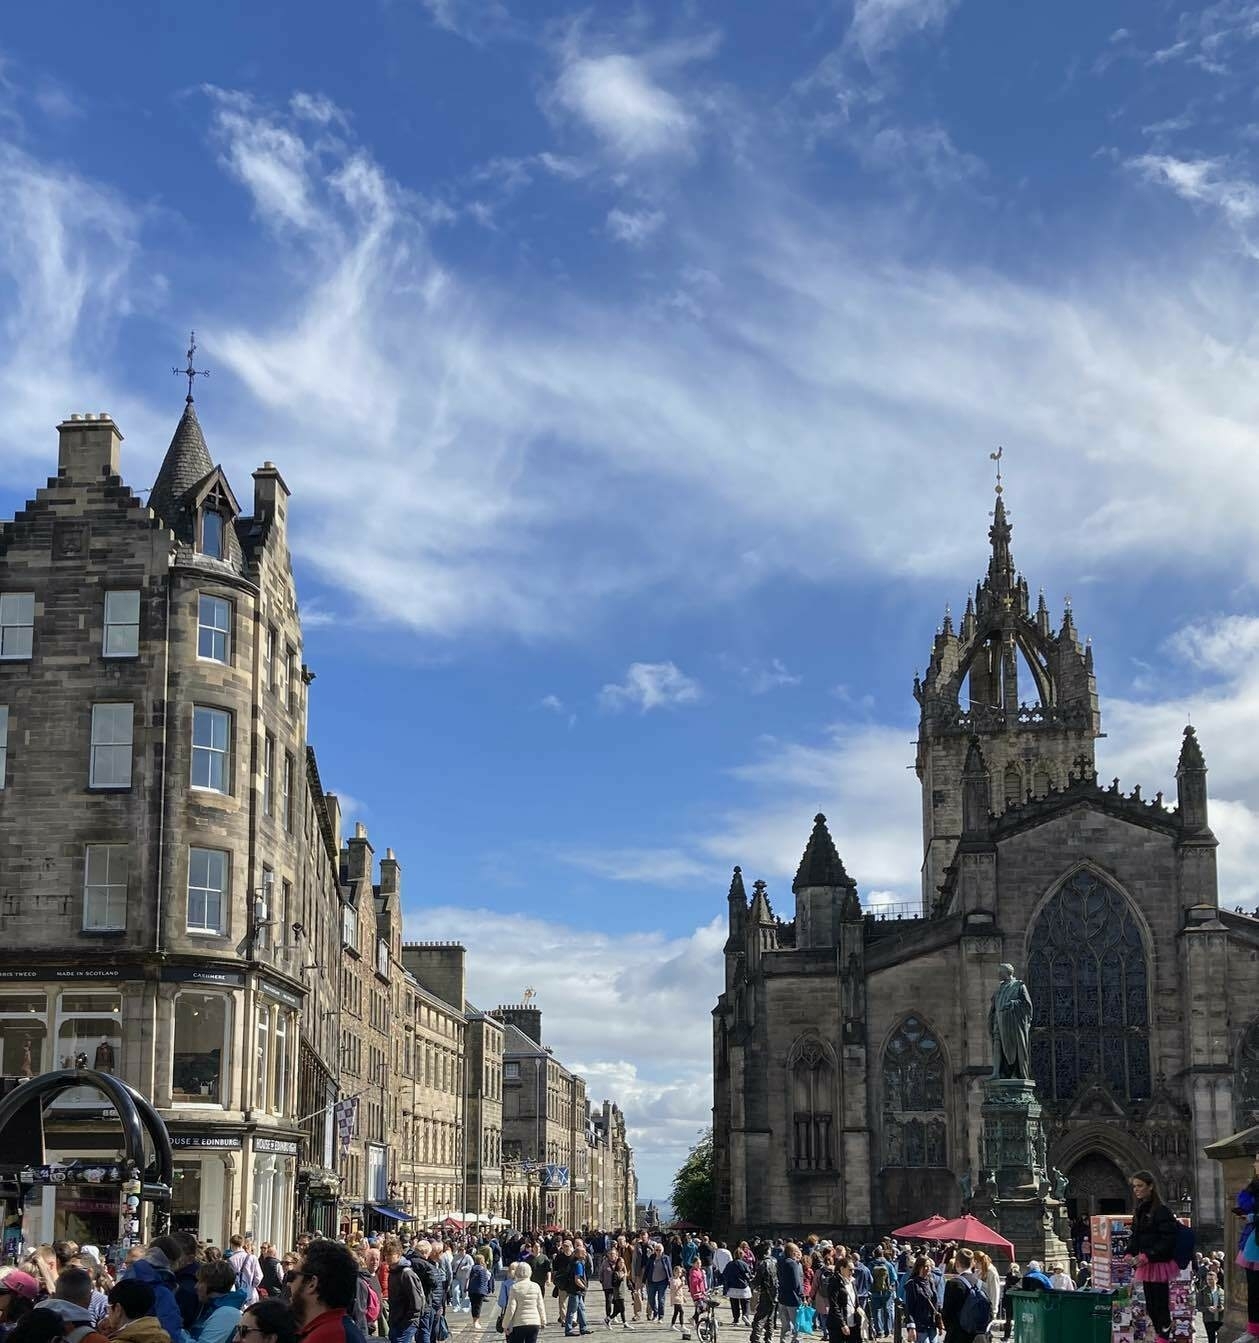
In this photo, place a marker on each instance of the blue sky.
(635, 370)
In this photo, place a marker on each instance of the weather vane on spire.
(190, 373)
(996, 457)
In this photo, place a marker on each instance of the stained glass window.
(1087, 976)
(913, 1087)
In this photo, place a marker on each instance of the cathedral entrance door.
(1096, 1185)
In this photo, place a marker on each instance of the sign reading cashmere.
(345, 1112)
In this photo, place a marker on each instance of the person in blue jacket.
(156, 1268)
(223, 1303)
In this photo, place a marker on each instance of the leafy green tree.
(694, 1192)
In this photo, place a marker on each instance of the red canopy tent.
(971, 1231)
(923, 1228)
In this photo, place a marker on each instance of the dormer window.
(211, 533)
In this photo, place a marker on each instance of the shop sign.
(281, 1146)
(28, 972)
(279, 994)
(223, 1141)
(203, 974)
(85, 1205)
(74, 1172)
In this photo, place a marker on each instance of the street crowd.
(416, 1290)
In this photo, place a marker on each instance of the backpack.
(976, 1313)
(1185, 1242)
(366, 1301)
(240, 1262)
(881, 1282)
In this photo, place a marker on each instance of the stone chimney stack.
(439, 967)
(390, 874)
(359, 855)
(527, 1020)
(88, 447)
(270, 497)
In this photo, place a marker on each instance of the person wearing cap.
(18, 1293)
(131, 1318)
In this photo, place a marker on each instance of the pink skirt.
(1165, 1272)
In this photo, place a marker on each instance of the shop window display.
(198, 1068)
(89, 1035)
(23, 1033)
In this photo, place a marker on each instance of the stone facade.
(177, 904)
(849, 1047)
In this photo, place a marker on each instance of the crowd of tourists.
(415, 1289)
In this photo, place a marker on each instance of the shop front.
(271, 1204)
(206, 1165)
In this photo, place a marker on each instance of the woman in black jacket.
(920, 1301)
(1153, 1245)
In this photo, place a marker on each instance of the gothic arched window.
(1246, 1087)
(914, 1129)
(812, 1072)
(1013, 785)
(1087, 975)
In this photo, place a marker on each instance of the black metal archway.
(135, 1114)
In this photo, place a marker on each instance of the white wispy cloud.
(761, 677)
(1206, 182)
(879, 25)
(659, 867)
(633, 226)
(651, 685)
(70, 263)
(617, 98)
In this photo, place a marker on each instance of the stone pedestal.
(1015, 1195)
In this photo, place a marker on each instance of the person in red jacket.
(324, 1292)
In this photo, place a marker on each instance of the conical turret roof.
(821, 865)
(187, 461)
(736, 887)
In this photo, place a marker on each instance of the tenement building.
(552, 1152)
(178, 906)
(849, 1047)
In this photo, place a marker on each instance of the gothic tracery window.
(812, 1102)
(914, 1129)
(1086, 971)
(1246, 1088)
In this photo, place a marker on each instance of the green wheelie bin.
(1061, 1317)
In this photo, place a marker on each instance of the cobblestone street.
(461, 1326)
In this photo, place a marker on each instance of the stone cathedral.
(849, 1048)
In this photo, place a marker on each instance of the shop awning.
(395, 1214)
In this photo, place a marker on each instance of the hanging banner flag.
(554, 1177)
(346, 1112)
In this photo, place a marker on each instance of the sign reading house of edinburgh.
(282, 1146)
(203, 974)
(230, 1141)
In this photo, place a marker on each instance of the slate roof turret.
(187, 462)
(821, 864)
